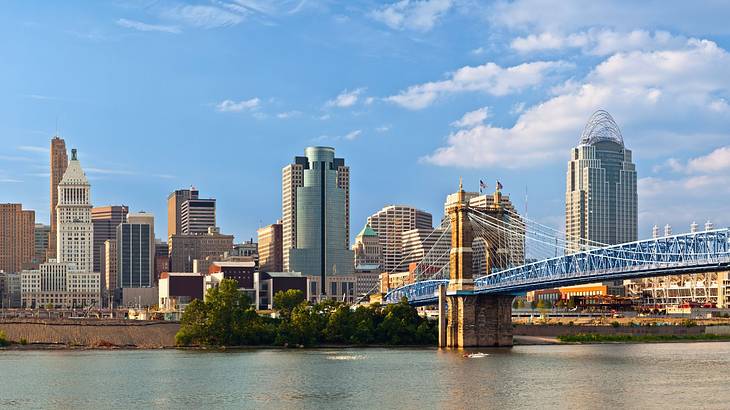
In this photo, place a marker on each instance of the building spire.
(73, 155)
(461, 186)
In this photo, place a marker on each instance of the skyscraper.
(367, 248)
(315, 199)
(270, 247)
(135, 255)
(59, 163)
(601, 195)
(75, 230)
(390, 223)
(197, 215)
(105, 220)
(17, 239)
(42, 233)
(174, 206)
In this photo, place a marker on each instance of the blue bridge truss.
(706, 251)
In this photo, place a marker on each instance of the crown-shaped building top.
(74, 175)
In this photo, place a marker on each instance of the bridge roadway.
(707, 251)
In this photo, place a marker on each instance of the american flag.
(482, 186)
(499, 185)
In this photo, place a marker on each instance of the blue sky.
(221, 94)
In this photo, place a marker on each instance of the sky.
(221, 94)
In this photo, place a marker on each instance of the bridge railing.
(684, 253)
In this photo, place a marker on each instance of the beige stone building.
(270, 248)
(184, 249)
(390, 223)
(17, 238)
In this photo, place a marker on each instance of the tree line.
(226, 318)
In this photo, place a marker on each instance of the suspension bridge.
(485, 253)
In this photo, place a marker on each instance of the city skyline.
(499, 74)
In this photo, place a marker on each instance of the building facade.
(135, 258)
(59, 285)
(75, 230)
(367, 248)
(105, 220)
(59, 163)
(184, 249)
(42, 233)
(601, 195)
(10, 291)
(270, 248)
(111, 278)
(17, 238)
(197, 215)
(174, 209)
(321, 208)
(390, 223)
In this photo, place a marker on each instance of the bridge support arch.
(468, 319)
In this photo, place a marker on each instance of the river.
(642, 376)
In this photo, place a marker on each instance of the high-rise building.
(174, 209)
(419, 242)
(105, 220)
(184, 249)
(162, 259)
(270, 248)
(390, 223)
(59, 163)
(111, 278)
(17, 238)
(601, 196)
(59, 284)
(42, 233)
(135, 251)
(75, 230)
(315, 199)
(367, 248)
(197, 215)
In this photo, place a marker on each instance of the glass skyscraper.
(316, 215)
(601, 197)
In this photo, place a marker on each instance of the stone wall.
(92, 333)
(554, 331)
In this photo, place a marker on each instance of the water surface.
(648, 376)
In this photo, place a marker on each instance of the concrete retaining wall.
(92, 333)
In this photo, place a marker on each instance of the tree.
(286, 301)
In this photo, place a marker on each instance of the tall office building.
(390, 223)
(184, 249)
(270, 248)
(601, 196)
(111, 277)
(105, 220)
(174, 208)
(75, 230)
(197, 215)
(42, 233)
(17, 238)
(367, 248)
(59, 163)
(162, 259)
(135, 254)
(315, 198)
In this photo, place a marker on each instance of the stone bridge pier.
(468, 319)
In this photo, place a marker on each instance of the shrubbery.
(3, 339)
(226, 318)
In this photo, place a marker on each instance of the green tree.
(286, 301)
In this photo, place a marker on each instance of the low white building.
(60, 285)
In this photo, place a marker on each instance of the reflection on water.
(592, 376)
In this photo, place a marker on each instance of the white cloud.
(472, 118)
(599, 42)
(369, 100)
(233, 106)
(140, 26)
(489, 78)
(418, 15)
(651, 94)
(478, 51)
(288, 114)
(717, 160)
(203, 16)
(352, 135)
(383, 128)
(346, 98)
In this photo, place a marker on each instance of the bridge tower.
(468, 319)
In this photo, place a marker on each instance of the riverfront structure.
(270, 247)
(315, 197)
(390, 223)
(17, 239)
(59, 163)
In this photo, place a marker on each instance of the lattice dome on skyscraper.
(601, 127)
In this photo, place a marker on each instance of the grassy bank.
(598, 338)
